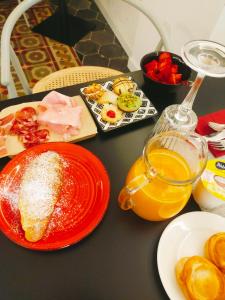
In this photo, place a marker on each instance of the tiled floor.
(99, 47)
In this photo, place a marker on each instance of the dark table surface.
(118, 260)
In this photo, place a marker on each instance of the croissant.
(215, 250)
(199, 279)
(39, 192)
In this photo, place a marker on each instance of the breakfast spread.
(122, 93)
(39, 192)
(203, 278)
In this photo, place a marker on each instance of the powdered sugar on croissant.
(39, 192)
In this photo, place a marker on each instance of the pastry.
(39, 192)
(110, 113)
(93, 91)
(123, 85)
(199, 279)
(215, 250)
(129, 102)
(108, 97)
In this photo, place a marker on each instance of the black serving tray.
(146, 110)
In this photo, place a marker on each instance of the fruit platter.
(117, 103)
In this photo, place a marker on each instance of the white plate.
(184, 236)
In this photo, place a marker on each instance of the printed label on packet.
(213, 178)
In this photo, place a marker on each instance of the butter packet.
(209, 192)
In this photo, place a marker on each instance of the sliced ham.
(60, 114)
(57, 98)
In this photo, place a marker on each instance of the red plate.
(81, 206)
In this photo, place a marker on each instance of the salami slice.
(33, 138)
(26, 126)
(26, 114)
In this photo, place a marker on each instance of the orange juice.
(159, 199)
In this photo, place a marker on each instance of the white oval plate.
(184, 236)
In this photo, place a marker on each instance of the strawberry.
(152, 75)
(163, 70)
(174, 68)
(165, 55)
(152, 65)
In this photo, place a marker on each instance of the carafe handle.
(125, 196)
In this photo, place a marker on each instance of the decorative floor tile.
(109, 52)
(38, 55)
(41, 56)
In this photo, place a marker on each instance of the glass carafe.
(159, 183)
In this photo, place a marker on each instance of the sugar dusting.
(11, 196)
(64, 215)
(39, 186)
(10, 185)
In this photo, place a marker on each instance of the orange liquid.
(160, 200)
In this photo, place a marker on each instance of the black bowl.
(176, 59)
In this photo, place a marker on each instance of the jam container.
(209, 192)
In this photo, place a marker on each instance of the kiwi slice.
(129, 102)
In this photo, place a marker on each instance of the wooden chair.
(62, 77)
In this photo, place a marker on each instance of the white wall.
(182, 21)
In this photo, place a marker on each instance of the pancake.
(199, 279)
(215, 250)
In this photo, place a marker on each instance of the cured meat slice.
(5, 125)
(6, 120)
(60, 114)
(34, 138)
(26, 114)
(56, 98)
(26, 126)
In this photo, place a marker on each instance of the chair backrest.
(8, 55)
(163, 42)
(71, 76)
